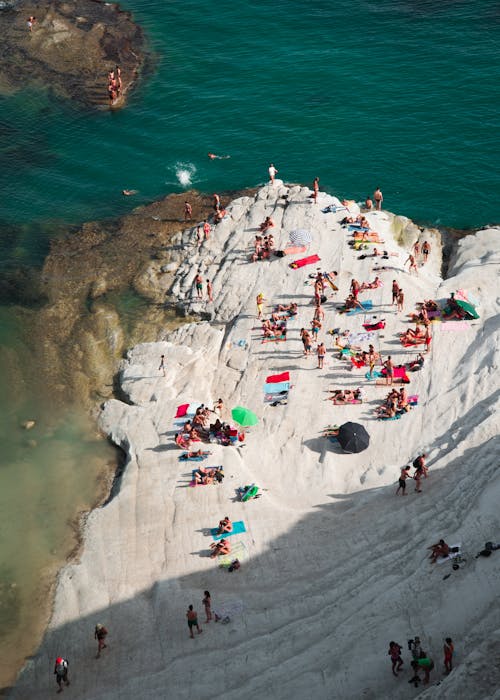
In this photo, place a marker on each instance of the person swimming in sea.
(213, 156)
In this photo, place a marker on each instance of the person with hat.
(61, 672)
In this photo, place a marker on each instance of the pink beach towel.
(455, 325)
(295, 249)
(305, 261)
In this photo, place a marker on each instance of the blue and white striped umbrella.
(300, 236)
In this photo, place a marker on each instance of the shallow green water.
(366, 92)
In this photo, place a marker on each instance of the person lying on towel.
(225, 525)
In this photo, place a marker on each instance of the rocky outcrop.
(72, 46)
(90, 282)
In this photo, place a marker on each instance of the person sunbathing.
(441, 549)
(225, 525)
(387, 411)
(430, 305)
(218, 548)
(377, 282)
(412, 336)
(270, 243)
(403, 401)
(351, 303)
(292, 307)
(417, 364)
(267, 223)
(452, 309)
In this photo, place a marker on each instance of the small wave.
(185, 172)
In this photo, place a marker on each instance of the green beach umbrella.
(243, 416)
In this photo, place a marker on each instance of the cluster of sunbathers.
(395, 404)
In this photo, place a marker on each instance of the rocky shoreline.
(72, 46)
(142, 541)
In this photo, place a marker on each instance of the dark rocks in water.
(71, 49)
(21, 285)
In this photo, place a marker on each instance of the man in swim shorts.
(378, 197)
(405, 473)
(192, 618)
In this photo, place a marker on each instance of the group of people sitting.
(275, 327)
(360, 220)
(201, 429)
(417, 336)
(346, 395)
(211, 475)
(263, 247)
(396, 404)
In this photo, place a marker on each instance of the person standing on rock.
(206, 230)
(30, 22)
(100, 633)
(210, 291)
(161, 368)
(216, 202)
(260, 304)
(321, 352)
(207, 603)
(378, 197)
(315, 189)
(188, 211)
(192, 618)
(118, 74)
(426, 249)
(272, 173)
(198, 281)
(61, 672)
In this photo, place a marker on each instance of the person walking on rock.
(100, 633)
(61, 672)
(272, 173)
(198, 282)
(448, 650)
(161, 368)
(192, 619)
(395, 654)
(405, 473)
(210, 291)
(188, 211)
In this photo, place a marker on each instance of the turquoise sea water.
(401, 94)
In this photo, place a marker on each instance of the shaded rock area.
(106, 287)
(71, 48)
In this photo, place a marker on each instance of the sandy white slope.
(337, 563)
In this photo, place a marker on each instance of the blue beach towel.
(238, 528)
(355, 227)
(376, 375)
(367, 305)
(276, 388)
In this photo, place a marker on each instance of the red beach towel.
(305, 261)
(182, 410)
(277, 378)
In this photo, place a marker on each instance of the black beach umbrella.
(353, 437)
